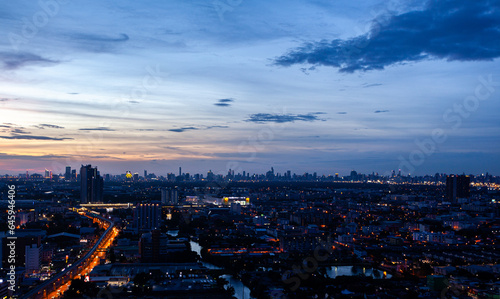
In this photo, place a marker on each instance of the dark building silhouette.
(147, 216)
(153, 247)
(91, 185)
(67, 175)
(457, 186)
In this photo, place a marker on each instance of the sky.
(307, 86)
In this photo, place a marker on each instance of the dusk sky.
(307, 86)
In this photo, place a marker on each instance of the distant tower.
(457, 186)
(180, 171)
(354, 175)
(91, 185)
(67, 175)
(164, 197)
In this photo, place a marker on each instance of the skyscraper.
(457, 186)
(91, 185)
(67, 175)
(169, 196)
(147, 216)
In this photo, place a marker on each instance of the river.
(240, 290)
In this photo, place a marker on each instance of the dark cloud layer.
(98, 42)
(43, 126)
(4, 156)
(446, 29)
(122, 37)
(32, 137)
(183, 129)
(283, 118)
(180, 130)
(224, 102)
(96, 129)
(12, 61)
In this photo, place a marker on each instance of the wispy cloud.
(7, 99)
(12, 61)
(98, 42)
(4, 156)
(450, 30)
(371, 85)
(341, 112)
(283, 118)
(380, 111)
(19, 131)
(224, 102)
(180, 130)
(183, 129)
(43, 126)
(32, 137)
(96, 129)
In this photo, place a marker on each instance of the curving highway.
(59, 283)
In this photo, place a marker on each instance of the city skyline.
(373, 86)
(204, 174)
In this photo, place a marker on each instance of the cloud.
(180, 130)
(96, 129)
(4, 156)
(32, 137)
(183, 129)
(98, 42)
(341, 112)
(224, 102)
(19, 131)
(122, 37)
(43, 126)
(283, 118)
(12, 61)
(380, 111)
(452, 30)
(371, 85)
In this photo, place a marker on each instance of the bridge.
(107, 205)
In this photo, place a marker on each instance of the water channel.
(241, 291)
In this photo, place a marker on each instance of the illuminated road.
(56, 286)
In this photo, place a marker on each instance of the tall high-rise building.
(67, 175)
(32, 258)
(147, 216)
(169, 196)
(91, 185)
(457, 186)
